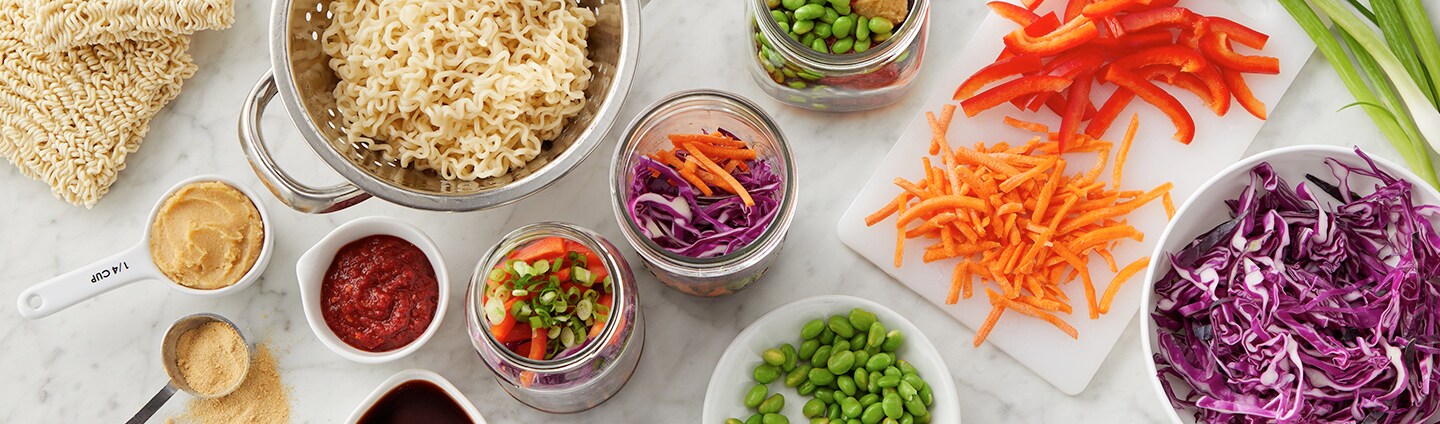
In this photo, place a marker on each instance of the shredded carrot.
(1169, 205)
(712, 139)
(1017, 222)
(729, 179)
(1120, 279)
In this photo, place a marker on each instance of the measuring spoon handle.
(153, 405)
(66, 290)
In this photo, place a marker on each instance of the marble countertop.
(99, 361)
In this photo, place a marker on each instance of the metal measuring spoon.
(172, 366)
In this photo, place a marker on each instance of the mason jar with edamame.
(848, 366)
(837, 55)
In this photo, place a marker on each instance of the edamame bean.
(821, 377)
(862, 379)
(815, 11)
(907, 419)
(869, 399)
(766, 373)
(802, 27)
(841, 326)
(889, 420)
(756, 395)
(822, 30)
(839, 346)
(878, 362)
(807, 40)
(877, 336)
(892, 406)
(733, 421)
(923, 419)
(905, 367)
(878, 25)
(841, 363)
(773, 356)
(807, 388)
(841, 29)
(858, 342)
(772, 404)
(780, 17)
(906, 390)
(862, 319)
(825, 394)
(797, 376)
(880, 38)
(827, 336)
(843, 7)
(820, 420)
(914, 380)
(862, 46)
(822, 356)
(916, 407)
(813, 408)
(834, 412)
(769, 4)
(927, 396)
(791, 358)
(775, 419)
(792, 4)
(872, 415)
(860, 358)
(888, 381)
(851, 407)
(846, 384)
(893, 339)
(812, 329)
(793, 35)
(807, 349)
(892, 371)
(830, 16)
(755, 419)
(862, 29)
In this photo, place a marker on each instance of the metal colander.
(302, 78)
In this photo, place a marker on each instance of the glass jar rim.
(620, 180)
(530, 233)
(879, 55)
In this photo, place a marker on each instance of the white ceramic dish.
(136, 264)
(310, 271)
(725, 395)
(1066, 363)
(412, 375)
(1207, 209)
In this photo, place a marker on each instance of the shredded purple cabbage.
(1299, 311)
(673, 214)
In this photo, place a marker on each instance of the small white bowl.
(413, 375)
(310, 272)
(1207, 208)
(724, 398)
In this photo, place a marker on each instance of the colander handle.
(291, 192)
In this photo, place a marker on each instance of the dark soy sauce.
(415, 401)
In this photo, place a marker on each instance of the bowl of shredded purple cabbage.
(1300, 285)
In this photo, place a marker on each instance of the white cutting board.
(1154, 159)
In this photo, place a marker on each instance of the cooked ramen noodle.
(467, 88)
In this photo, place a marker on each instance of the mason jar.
(691, 112)
(799, 75)
(583, 379)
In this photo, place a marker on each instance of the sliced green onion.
(541, 267)
(536, 323)
(553, 333)
(519, 292)
(523, 269)
(567, 337)
(606, 284)
(583, 276)
(582, 310)
(497, 275)
(494, 310)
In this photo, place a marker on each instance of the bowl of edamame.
(831, 359)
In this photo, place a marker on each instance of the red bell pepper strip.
(537, 344)
(1238, 32)
(1214, 81)
(1112, 26)
(548, 248)
(1045, 25)
(1108, 112)
(520, 333)
(1014, 88)
(1074, 113)
(1076, 62)
(606, 299)
(1242, 93)
(1100, 8)
(1013, 12)
(1073, 9)
(1032, 4)
(1073, 34)
(1217, 48)
(1159, 17)
(502, 329)
(1018, 65)
(1215, 96)
(1187, 59)
(1056, 103)
(1184, 123)
(1135, 41)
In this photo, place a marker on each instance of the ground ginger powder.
(211, 358)
(261, 399)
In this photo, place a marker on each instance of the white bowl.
(724, 398)
(310, 271)
(413, 375)
(1206, 209)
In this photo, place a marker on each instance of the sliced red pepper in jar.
(1241, 90)
(1068, 36)
(1184, 123)
(1216, 46)
(537, 344)
(1015, 88)
(548, 248)
(997, 71)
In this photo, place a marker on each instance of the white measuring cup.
(135, 264)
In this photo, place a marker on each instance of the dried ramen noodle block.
(57, 25)
(70, 118)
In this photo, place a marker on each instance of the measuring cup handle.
(66, 290)
(153, 405)
(292, 193)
